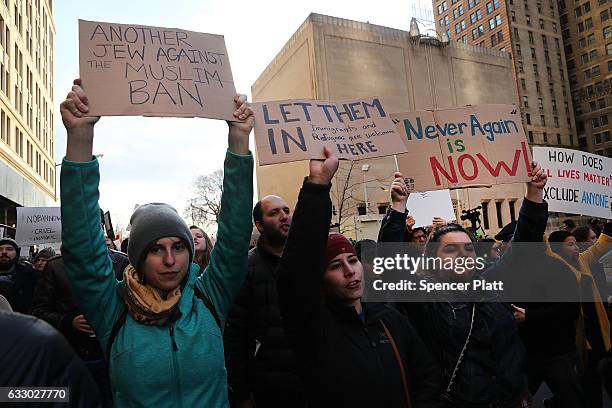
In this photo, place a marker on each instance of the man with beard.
(260, 363)
(17, 279)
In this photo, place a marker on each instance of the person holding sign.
(350, 354)
(161, 326)
(477, 345)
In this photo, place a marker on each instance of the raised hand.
(322, 171)
(238, 138)
(399, 193)
(535, 188)
(80, 127)
(75, 107)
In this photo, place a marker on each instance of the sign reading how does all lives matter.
(578, 182)
(294, 130)
(153, 71)
(462, 147)
(38, 225)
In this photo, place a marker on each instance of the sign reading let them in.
(294, 130)
(131, 70)
(461, 147)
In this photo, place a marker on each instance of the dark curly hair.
(443, 230)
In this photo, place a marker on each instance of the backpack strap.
(121, 321)
(208, 305)
(399, 362)
(114, 331)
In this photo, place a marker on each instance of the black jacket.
(258, 357)
(18, 285)
(33, 354)
(344, 360)
(54, 302)
(493, 370)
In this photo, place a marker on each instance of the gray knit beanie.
(151, 222)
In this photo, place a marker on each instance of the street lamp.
(364, 169)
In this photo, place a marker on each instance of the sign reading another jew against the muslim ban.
(578, 182)
(293, 130)
(153, 71)
(467, 146)
(38, 225)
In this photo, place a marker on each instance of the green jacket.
(145, 369)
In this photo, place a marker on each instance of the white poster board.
(578, 182)
(38, 225)
(425, 206)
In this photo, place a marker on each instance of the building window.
(500, 222)
(542, 120)
(489, 7)
(528, 118)
(604, 15)
(541, 24)
(588, 23)
(525, 101)
(535, 70)
(545, 137)
(577, 11)
(571, 140)
(485, 214)
(586, 7)
(512, 204)
(530, 37)
(558, 139)
(609, 49)
(595, 71)
(591, 39)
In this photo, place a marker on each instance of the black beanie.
(151, 222)
(559, 236)
(11, 242)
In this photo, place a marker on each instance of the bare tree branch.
(204, 205)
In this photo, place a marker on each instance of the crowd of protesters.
(171, 320)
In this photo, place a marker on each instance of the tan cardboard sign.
(131, 70)
(294, 130)
(460, 147)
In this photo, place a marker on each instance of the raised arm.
(393, 226)
(599, 248)
(86, 259)
(226, 271)
(301, 268)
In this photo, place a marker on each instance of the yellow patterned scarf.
(145, 303)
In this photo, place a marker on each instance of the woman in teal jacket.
(166, 347)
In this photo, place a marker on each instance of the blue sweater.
(145, 369)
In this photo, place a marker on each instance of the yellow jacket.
(587, 283)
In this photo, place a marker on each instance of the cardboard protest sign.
(153, 71)
(459, 147)
(38, 225)
(425, 206)
(294, 130)
(578, 182)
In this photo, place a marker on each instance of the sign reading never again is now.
(460, 147)
(294, 130)
(578, 182)
(154, 71)
(38, 225)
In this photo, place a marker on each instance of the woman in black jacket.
(349, 353)
(476, 344)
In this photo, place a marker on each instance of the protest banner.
(154, 71)
(461, 147)
(294, 130)
(425, 206)
(578, 182)
(38, 225)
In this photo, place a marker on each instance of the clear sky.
(156, 159)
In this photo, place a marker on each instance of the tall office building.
(530, 31)
(587, 36)
(27, 135)
(332, 58)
